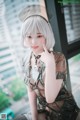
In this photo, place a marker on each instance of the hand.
(47, 57)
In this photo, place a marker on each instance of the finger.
(51, 50)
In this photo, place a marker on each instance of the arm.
(52, 86)
(33, 103)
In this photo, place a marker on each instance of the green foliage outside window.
(4, 100)
(18, 89)
(76, 58)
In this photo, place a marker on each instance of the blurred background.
(13, 92)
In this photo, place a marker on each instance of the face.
(35, 42)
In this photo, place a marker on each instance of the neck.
(37, 53)
(36, 56)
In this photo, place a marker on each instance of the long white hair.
(37, 24)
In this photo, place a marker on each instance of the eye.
(29, 37)
(39, 36)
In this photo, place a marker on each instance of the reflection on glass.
(72, 21)
(74, 68)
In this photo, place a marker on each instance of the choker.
(36, 58)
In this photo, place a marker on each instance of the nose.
(33, 40)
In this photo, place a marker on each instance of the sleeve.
(61, 68)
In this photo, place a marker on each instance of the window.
(72, 22)
(74, 69)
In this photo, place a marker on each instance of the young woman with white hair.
(45, 73)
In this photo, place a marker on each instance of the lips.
(35, 47)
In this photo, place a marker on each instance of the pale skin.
(52, 85)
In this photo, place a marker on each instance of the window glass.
(72, 20)
(11, 54)
(74, 69)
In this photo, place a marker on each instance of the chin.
(37, 52)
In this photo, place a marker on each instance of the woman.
(45, 73)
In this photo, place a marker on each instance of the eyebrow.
(39, 33)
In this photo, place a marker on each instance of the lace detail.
(64, 102)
